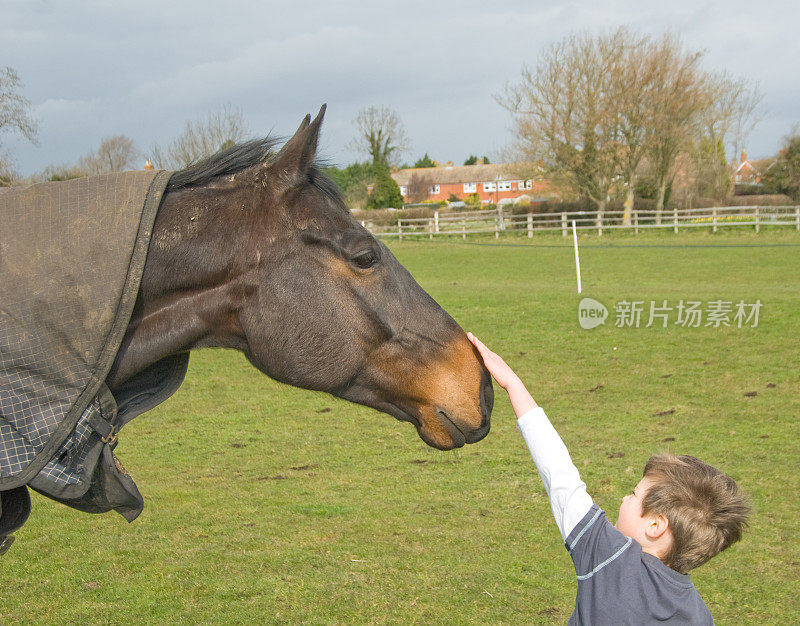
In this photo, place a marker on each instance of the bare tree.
(201, 138)
(746, 112)
(562, 117)
(727, 121)
(380, 134)
(419, 187)
(629, 89)
(14, 115)
(680, 95)
(114, 154)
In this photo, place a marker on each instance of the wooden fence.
(497, 221)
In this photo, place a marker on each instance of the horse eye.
(365, 260)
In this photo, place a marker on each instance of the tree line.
(603, 116)
(600, 113)
(200, 138)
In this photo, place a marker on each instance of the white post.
(430, 229)
(599, 224)
(714, 219)
(530, 225)
(577, 259)
(757, 220)
(436, 220)
(675, 219)
(563, 224)
(636, 222)
(463, 229)
(797, 217)
(496, 227)
(400, 229)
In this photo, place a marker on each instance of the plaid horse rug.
(71, 260)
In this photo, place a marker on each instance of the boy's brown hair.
(706, 513)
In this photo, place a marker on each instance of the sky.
(93, 69)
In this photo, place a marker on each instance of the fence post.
(797, 217)
(675, 219)
(714, 219)
(757, 220)
(436, 220)
(463, 229)
(530, 224)
(600, 224)
(430, 229)
(400, 229)
(496, 227)
(500, 215)
(563, 224)
(636, 222)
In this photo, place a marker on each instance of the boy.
(678, 516)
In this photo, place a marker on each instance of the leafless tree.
(201, 138)
(727, 121)
(380, 134)
(115, 154)
(630, 84)
(680, 95)
(746, 112)
(562, 117)
(14, 115)
(419, 187)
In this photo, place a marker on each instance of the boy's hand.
(521, 400)
(497, 367)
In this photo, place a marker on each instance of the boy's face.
(630, 522)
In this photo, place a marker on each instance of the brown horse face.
(335, 311)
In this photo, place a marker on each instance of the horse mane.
(227, 161)
(242, 156)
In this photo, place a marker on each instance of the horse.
(254, 249)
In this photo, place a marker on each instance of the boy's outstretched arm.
(568, 498)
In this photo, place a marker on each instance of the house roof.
(458, 174)
(759, 166)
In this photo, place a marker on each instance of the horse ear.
(298, 153)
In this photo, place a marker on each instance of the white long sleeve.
(568, 497)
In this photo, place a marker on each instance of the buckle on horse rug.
(108, 432)
(111, 437)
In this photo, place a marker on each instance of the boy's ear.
(657, 527)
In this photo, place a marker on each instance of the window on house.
(504, 186)
(470, 187)
(434, 189)
(490, 186)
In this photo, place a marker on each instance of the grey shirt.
(620, 584)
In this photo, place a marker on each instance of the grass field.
(268, 504)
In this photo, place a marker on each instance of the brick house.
(491, 182)
(750, 172)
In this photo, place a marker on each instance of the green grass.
(268, 504)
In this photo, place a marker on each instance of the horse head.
(311, 297)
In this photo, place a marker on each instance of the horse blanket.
(71, 260)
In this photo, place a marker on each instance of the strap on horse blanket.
(15, 506)
(71, 259)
